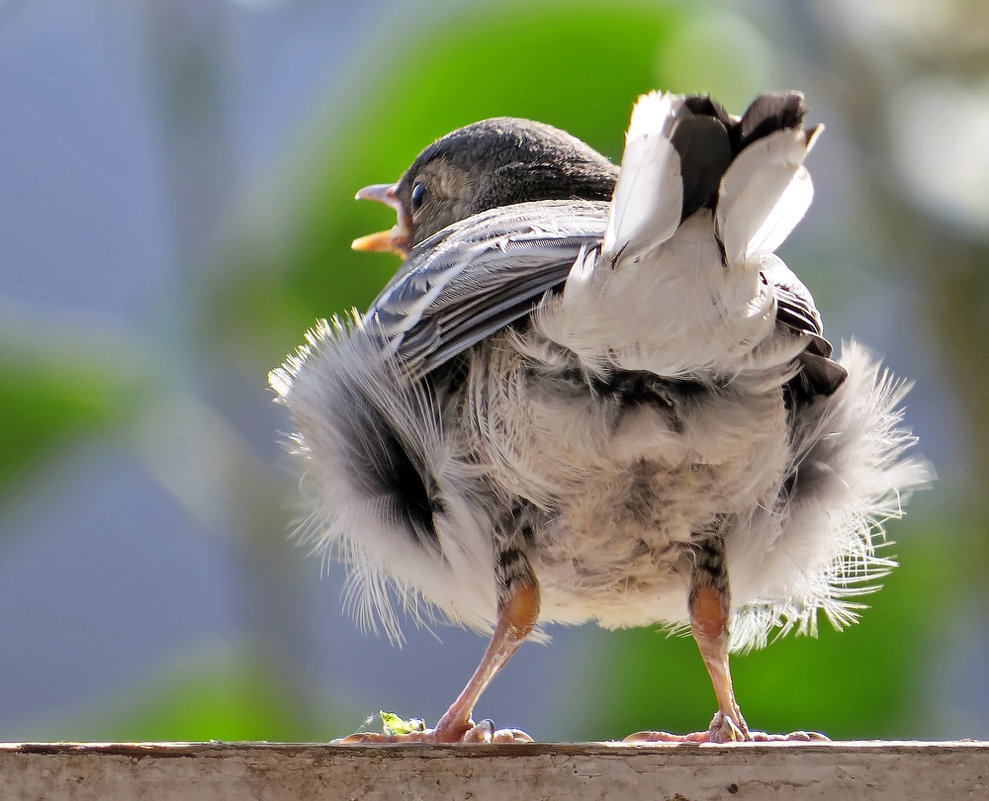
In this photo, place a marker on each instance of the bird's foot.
(396, 730)
(724, 729)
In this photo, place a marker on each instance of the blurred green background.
(176, 184)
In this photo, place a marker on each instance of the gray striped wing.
(477, 276)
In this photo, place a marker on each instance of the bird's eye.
(418, 194)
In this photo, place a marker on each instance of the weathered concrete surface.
(576, 772)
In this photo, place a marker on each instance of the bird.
(596, 393)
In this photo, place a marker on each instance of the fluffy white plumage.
(654, 404)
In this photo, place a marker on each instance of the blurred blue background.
(176, 183)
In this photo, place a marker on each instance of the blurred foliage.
(45, 406)
(56, 392)
(229, 695)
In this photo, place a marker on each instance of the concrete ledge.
(576, 772)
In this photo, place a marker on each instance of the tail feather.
(648, 196)
(764, 194)
(769, 112)
(686, 153)
(698, 190)
(705, 153)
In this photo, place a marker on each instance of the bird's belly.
(627, 487)
(619, 551)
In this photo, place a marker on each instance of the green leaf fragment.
(392, 724)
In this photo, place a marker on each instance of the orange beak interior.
(395, 239)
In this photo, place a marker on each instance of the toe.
(482, 732)
(511, 736)
(376, 738)
(485, 732)
(666, 737)
(793, 736)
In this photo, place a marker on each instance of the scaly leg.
(708, 606)
(517, 615)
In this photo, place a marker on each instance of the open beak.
(396, 239)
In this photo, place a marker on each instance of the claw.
(724, 729)
(482, 732)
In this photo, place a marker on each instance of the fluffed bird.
(593, 393)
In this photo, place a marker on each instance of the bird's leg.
(518, 611)
(516, 618)
(708, 608)
(708, 605)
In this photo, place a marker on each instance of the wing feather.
(480, 275)
(477, 276)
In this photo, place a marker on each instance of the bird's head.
(492, 163)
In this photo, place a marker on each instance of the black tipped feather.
(768, 113)
(705, 153)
